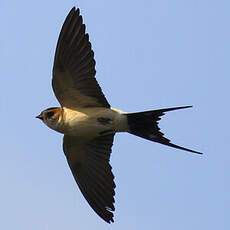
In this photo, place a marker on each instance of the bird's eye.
(49, 114)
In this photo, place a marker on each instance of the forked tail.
(145, 125)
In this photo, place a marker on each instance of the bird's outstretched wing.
(89, 163)
(74, 81)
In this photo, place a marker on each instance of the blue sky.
(150, 54)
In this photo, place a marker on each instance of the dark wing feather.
(89, 163)
(74, 81)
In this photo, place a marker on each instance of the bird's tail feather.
(145, 125)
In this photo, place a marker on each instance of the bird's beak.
(39, 117)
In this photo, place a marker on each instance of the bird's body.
(89, 123)
(87, 120)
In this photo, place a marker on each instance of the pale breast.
(88, 123)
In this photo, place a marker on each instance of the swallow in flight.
(87, 120)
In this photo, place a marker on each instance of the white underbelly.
(88, 127)
(89, 123)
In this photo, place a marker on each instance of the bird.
(87, 120)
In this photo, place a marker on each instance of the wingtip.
(74, 10)
(77, 11)
(109, 219)
(71, 13)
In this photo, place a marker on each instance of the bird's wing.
(89, 163)
(74, 81)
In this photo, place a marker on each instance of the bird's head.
(51, 117)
